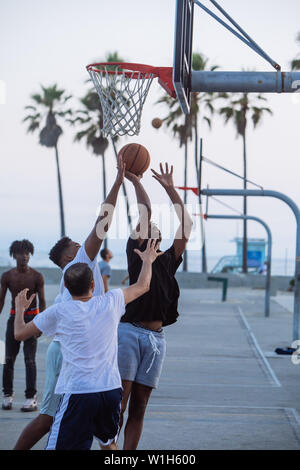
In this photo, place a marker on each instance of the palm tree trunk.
(196, 144)
(60, 196)
(197, 165)
(129, 221)
(245, 241)
(104, 193)
(185, 258)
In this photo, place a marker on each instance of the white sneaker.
(30, 404)
(7, 402)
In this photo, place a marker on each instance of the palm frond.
(227, 112)
(33, 108)
(33, 126)
(32, 117)
(295, 64)
(37, 98)
(208, 121)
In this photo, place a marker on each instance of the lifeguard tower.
(233, 263)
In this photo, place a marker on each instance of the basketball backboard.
(182, 65)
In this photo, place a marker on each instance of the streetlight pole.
(295, 209)
(269, 255)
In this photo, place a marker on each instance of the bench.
(224, 280)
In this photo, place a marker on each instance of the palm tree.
(47, 106)
(185, 126)
(237, 111)
(296, 62)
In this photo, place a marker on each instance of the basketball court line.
(262, 360)
(215, 385)
(250, 407)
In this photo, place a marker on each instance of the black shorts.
(82, 416)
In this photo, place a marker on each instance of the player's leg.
(139, 398)
(107, 419)
(34, 431)
(128, 361)
(12, 348)
(73, 424)
(40, 426)
(152, 348)
(126, 385)
(29, 349)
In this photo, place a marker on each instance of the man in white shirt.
(65, 253)
(86, 328)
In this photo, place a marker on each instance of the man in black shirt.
(142, 343)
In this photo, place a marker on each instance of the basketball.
(136, 157)
(156, 123)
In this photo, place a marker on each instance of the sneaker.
(7, 402)
(30, 404)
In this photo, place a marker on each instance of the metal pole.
(245, 82)
(269, 255)
(295, 209)
(203, 247)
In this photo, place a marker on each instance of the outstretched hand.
(151, 251)
(165, 178)
(21, 301)
(132, 177)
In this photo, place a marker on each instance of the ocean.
(40, 259)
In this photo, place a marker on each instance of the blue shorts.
(53, 365)
(82, 416)
(141, 354)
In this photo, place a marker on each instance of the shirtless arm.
(3, 290)
(41, 293)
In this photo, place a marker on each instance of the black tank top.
(161, 301)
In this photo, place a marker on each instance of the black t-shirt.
(161, 301)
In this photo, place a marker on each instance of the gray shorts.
(53, 365)
(141, 354)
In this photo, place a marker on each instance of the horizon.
(28, 179)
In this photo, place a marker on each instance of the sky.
(47, 42)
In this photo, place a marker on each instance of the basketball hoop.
(123, 89)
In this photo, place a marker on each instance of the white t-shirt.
(82, 257)
(87, 332)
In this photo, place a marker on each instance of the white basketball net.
(122, 98)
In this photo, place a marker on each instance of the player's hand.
(165, 178)
(132, 177)
(21, 301)
(121, 170)
(151, 251)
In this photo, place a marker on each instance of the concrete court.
(222, 386)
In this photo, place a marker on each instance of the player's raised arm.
(143, 283)
(165, 178)
(103, 222)
(144, 205)
(3, 290)
(22, 330)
